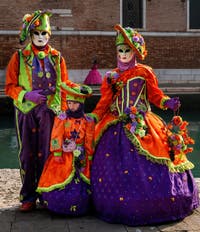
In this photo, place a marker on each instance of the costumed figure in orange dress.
(140, 173)
(65, 181)
(33, 77)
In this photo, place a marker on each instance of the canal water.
(9, 146)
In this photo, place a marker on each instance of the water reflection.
(9, 146)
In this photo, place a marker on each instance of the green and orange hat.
(39, 20)
(77, 93)
(131, 37)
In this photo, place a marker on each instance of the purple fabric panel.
(129, 189)
(135, 87)
(34, 134)
(73, 200)
(48, 74)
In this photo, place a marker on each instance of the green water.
(9, 146)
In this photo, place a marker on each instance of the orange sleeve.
(89, 139)
(63, 67)
(105, 100)
(154, 94)
(57, 135)
(12, 89)
(64, 78)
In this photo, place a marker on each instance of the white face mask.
(124, 53)
(40, 38)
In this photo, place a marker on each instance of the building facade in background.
(83, 31)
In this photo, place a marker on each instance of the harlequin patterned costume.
(65, 186)
(134, 180)
(35, 69)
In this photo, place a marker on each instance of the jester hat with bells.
(39, 20)
(131, 37)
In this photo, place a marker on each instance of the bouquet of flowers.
(178, 137)
(136, 123)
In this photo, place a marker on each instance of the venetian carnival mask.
(40, 38)
(124, 53)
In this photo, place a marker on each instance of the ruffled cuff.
(21, 96)
(93, 116)
(162, 102)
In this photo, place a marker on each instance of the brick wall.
(79, 51)
(85, 15)
(94, 15)
(166, 15)
(173, 52)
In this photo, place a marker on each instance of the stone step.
(166, 89)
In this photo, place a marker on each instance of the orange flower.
(177, 137)
(177, 120)
(37, 23)
(189, 150)
(183, 125)
(28, 19)
(133, 109)
(191, 141)
(128, 126)
(170, 126)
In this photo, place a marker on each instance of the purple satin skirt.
(128, 188)
(73, 200)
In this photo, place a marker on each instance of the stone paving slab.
(11, 220)
(40, 220)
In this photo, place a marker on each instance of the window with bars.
(194, 15)
(132, 13)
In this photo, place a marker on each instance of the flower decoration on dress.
(178, 137)
(62, 115)
(113, 109)
(112, 76)
(76, 153)
(136, 123)
(74, 134)
(69, 145)
(55, 144)
(112, 79)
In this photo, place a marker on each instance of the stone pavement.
(40, 220)
(11, 220)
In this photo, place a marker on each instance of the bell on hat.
(39, 20)
(93, 77)
(77, 93)
(131, 37)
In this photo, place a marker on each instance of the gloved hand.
(173, 103)
(49, 91)
(35, 96)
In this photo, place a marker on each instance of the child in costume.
(65, 181)
(33, 76)
(137, 176)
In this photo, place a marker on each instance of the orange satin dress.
(56, 175)
(154, 145)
